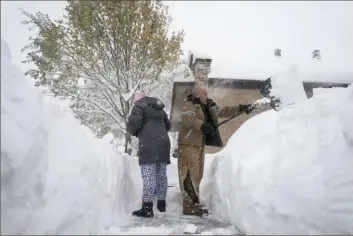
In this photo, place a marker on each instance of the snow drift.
(288, 172)
(56, 178)
(287, 86)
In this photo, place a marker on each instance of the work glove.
(210, 103)
(246, 108)
(208, 128)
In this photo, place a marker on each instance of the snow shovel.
(236, 115)
(265, 90)
(229, 119)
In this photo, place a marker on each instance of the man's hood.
(153, 102)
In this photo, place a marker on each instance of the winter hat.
(138, 95)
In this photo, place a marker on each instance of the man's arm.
(226, 111)
(188, 117)
(135, 120)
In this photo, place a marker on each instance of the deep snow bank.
(288, 172)
(56, 178)
(287, 86)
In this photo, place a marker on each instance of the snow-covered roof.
(310, 70)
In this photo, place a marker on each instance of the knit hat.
(138, 95)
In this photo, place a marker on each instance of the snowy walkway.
(177, 224)
(174, 222)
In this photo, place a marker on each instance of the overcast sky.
(237, 35)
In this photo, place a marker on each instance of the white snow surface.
(287, 86)
(331, 70)
(190, 229)
(288, 172)
(129, 95)
(326, 70)
(56, 177)
(183, 74)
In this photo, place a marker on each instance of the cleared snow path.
(173, 221)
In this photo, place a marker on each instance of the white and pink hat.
(138, 95)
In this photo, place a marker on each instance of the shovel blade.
(265, 90)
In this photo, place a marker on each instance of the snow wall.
(56, 177)
(288, 172)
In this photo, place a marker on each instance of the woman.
(150, 124)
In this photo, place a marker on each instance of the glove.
(210, 103)
(208, 128)
(246, 108)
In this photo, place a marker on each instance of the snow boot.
(199, 210)
(161, 204)
(193, 209)
(145, 211)
(188, 206)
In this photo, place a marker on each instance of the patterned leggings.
(154, 179)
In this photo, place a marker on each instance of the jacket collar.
(196, 100)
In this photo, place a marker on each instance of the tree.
(99, 53)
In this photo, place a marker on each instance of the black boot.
(161, 205)
(145, 211)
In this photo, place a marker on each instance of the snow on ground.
(56, 178)
(288, 172)
(287, 86)
(171, 222)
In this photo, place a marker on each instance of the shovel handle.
(233, 116)
(229, 118)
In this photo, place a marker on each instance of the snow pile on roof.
(288, 172)
(56, 178)
(261, 67)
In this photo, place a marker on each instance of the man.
(149, 123)
(197, 129)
